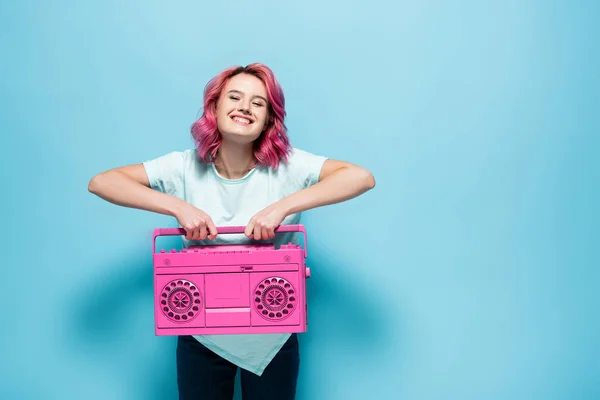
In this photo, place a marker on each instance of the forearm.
(117, 188)
(343, 184)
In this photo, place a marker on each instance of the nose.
(244, 107)
(244, 110)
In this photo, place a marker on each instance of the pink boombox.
(230, 289)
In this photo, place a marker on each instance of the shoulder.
(186, 155)
(174, 159)
(299, 158)
(302, 167)
(173, 166)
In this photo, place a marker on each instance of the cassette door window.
(227, 299)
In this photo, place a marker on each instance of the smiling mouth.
(241, 120)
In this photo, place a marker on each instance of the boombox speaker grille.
(180, 300)
(274, 298)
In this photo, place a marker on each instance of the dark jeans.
(204, 375)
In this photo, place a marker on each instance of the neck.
(234, 161)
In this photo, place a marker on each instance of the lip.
(242, 116)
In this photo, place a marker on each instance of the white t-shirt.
(233, 202)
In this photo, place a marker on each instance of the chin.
(236, 132)
(240, 138)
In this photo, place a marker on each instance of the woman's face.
(242, 109)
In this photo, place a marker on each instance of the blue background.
(470, 272)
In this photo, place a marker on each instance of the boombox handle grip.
(229, 229)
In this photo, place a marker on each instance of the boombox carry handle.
(229, 229)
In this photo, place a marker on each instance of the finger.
(271, 233)
(249, 229)
(264, 233)
(189, 233)
(257, 230)
(202, 232)
(212, 229)
(195, 234)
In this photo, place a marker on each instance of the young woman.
(242, 171)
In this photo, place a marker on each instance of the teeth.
(241, 120)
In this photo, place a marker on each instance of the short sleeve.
(304, 168)
(166, 173)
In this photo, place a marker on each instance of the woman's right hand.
(197, 224)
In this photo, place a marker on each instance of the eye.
(234, 97)
(258, 104)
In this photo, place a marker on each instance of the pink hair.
(272, 146)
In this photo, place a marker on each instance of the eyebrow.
(237, 91)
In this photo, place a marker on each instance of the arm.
(128, 186)
(338, 181)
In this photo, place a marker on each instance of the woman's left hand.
(262, 225)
